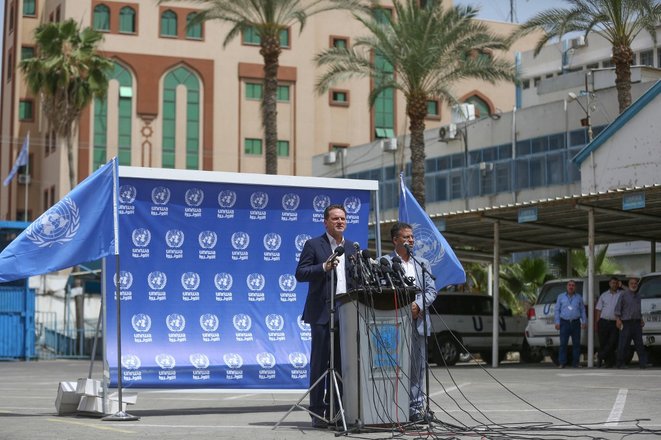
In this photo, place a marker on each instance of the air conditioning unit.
(447, 132)
(330, 158)
(389, 144)
(577, 42)
(24, 179)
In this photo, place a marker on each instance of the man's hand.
(330, 264)
(618, 324)
(557, 327)
(415, 311)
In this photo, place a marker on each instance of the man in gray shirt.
(629, 320)
(604, 319)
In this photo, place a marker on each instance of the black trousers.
(319, 364)
(631, 330)
(608, 336)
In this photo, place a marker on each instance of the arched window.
(127, 20)
(101, 18)
(482, 108)
(195, 31)
(169, 24)
(181, 76)
(124, 115)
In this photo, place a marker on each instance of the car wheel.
(445, 350)
(530, 355)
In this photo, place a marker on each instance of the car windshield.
(550, 292)
(650, 287)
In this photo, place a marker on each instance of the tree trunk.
(417, 110)
(270, 52)
(622, 58)
(72, 169)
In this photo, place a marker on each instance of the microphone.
(338, 252)
(409, 249)
(399, 271)
(386, 270)
(370, 263)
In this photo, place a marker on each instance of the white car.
(461, 323)
(540, 331)
(650, 303)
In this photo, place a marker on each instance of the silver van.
(540, 331)
(461, 323)
(650, 304)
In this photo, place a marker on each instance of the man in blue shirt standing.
(570, 318)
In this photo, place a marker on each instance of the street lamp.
(586, 109)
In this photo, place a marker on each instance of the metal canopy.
(560, 223)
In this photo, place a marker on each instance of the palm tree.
(267, 18)
(579, 262)
(618, 21)
(430, 49)
(67, 73)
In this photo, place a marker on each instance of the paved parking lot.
(522, 401)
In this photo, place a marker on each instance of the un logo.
(199, 360)
(194, 197)
(160, 195)
(190, 280)
(233, 360)
(223, 281)
(320, 202)
(255, 282)
(131, 362)
(259, 200)
(272, 241)
(226, 199)
(427, 245)
(157, 280)
(209, 322)
(141, 237)
(240, 240)
(298, 360)
(57, 225)
(304, 326)
(287, 282)
(141, 323)
(274, 322)
(165, 361)
(242, 322)
(207, 239)
(290, 202)
(300, 241)
(125, 280)
(175, 322)
(265, 360)
(127, 194)
(352, 205)
(174, 238)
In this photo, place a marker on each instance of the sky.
(489, 9)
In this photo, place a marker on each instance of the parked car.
(461, 323)
(540, 331)
(650, 304)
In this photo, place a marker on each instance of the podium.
(375, 343)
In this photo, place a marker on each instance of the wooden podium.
(375, 342)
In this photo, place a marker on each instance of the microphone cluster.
(367, 272)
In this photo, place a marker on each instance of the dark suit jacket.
(310, 269)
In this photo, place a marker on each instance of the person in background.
(317, 267)
(604, 319)
(570, 318)
(629, 320)
(403, 239)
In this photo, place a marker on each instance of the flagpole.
(27, 173)
(120, 415)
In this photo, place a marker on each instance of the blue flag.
(429, 242)
(21, 160)
(79, 228)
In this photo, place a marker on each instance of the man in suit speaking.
(323, 259)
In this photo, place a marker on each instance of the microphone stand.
(428, 417)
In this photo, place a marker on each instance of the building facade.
(178, 99)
